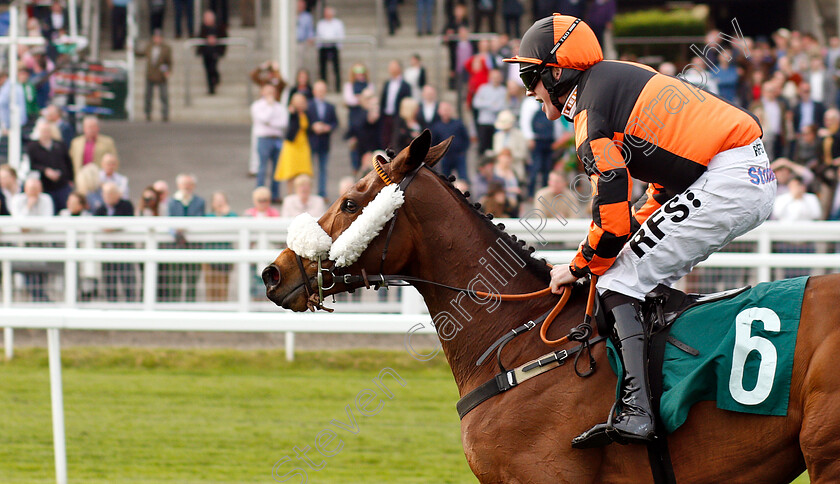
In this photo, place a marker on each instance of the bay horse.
(524, 435)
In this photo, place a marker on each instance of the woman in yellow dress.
(296, 155)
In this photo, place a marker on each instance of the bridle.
(581, 333)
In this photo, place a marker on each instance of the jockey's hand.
(560, 276)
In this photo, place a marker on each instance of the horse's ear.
(417, 151)
(436, 152)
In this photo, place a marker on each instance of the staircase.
(234, 94)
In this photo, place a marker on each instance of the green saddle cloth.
(746, 347)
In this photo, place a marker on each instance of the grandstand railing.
(248, 244)
(48, 263)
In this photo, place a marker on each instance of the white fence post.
(57, 397)
(8, 333)
(150, 272)
(765, 248)
(290, 346)
(71, 270)
(244, 273)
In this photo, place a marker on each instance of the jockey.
(708, 176)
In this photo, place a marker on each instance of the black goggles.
(531, 74)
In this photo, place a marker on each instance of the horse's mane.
(538, 267)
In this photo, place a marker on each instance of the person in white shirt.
(330, 33)
(797, 204)
(270, 118)
(33, 202)
(489, 100)
(415, 76)
(303, 201)
(108, 173)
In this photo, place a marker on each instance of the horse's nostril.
(271, 276)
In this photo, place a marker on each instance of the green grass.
(158, 416)
(138, 415)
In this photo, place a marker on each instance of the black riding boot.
(634, 422)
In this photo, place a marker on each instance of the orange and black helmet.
(557, 41)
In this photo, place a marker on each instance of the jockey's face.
(541, 93)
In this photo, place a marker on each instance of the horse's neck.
(468, 254)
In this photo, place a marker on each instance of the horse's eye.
(349, 206)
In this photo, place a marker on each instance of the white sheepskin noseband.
(307, 239)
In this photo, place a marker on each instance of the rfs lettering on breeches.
(662, 221)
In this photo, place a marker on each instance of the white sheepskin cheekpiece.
(307, 239)
(352, 242)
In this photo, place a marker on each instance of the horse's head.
(353, 235)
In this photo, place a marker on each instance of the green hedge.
(658, 23)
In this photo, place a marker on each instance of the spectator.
(268, 72)
(773, 120)
(463, 52)
(415, 75)
(424, 17)
(367, 133)
(818, 80)
(323, 121)
(183, 204)
(451, 30)
(485, 10)
(495, 202)
(599, 17)
(330, 31)
(429, 107)
(149, 205)
(489, 100)
(303, 201)
(91, 146)
(119, 10)
(302, 85)
(785, 170)
(157, 12)
(158, 69)
(392, 9)
(485, 176)
(50, 159)
(515, 96)
(478, 68)
(9, 187)
(807, 149)
(408, 125)
(512, 10)
(796, 205)
(87, 183)
(504, 170)
(211, 51)
(807, 111)
(455, 159)
(270, 120)
(108, 173)
(217, 276)
(357, 83)
(162, 188)
(52, 113)
(726, 78)
(393, 92)
(20, 99)
(699, 76)
(261, 198)
(542, 136)
(33, 203)
(296, 154)
(305, 27)
(556, 195)
(76, 206)
(183, 10)
(509, 136)
(30, 98)
(114, 205)
(831, 60)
